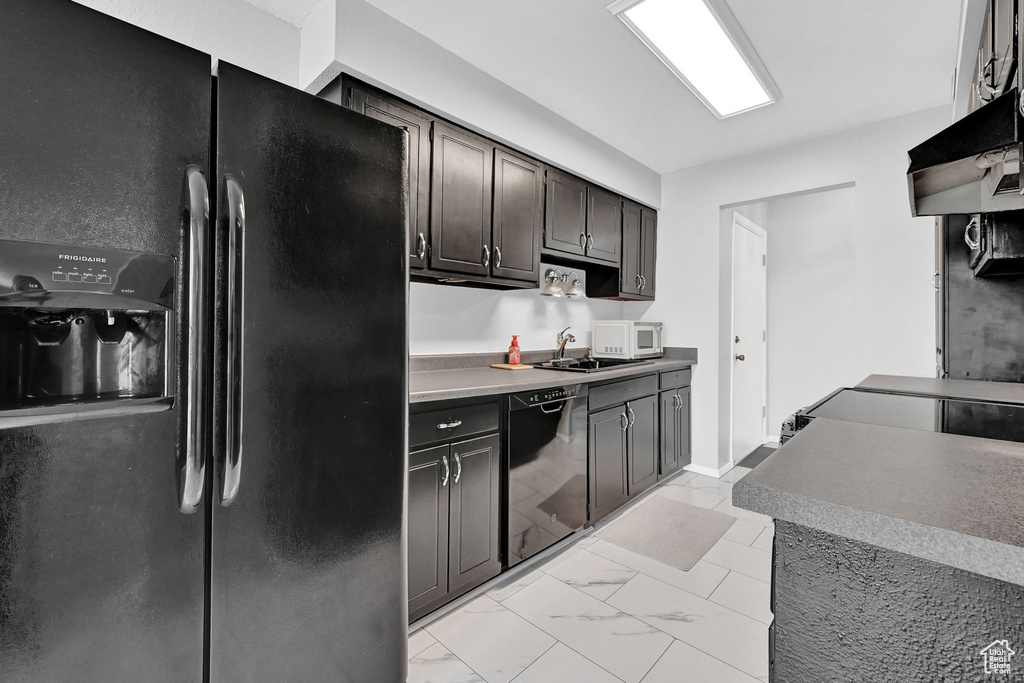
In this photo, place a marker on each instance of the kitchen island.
(899, 554)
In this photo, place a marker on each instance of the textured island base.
(850, 611)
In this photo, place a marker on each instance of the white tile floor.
(597, 613)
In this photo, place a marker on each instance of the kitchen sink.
(588, 364)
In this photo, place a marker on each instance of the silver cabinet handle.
(583, 240)
(444, 480)
(487, 256)
(421, 246)
(632, 416)
(643, 283)
(975, 222)
(497, 256)
(236, 338)
(638, 285)
(449, 425)
(935, 285)
(676, 401)
(193, 472)
(623, 421)
(590, 240)
(458, 464)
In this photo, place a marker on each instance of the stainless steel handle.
(583, 240)
(193, 472)
(623, 421)
(449, 425)
(458, 464)
(638, 283)
(487, 256)
(676, 401)
(935, 286)
(643, 283)
(975, 222)
(590, 240)
(556, 409)
(236, 339)
(741, 357)
(421, 246)
(444, 480)
(497, 256)
(632, 416)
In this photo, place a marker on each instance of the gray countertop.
(465, 382)
(956, 500)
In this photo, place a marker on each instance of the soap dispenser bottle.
(513, 351)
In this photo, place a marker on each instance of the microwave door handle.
(235, 339)
(193, 472)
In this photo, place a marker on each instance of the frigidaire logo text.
(76, 257)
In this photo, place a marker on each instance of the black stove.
(986, 419)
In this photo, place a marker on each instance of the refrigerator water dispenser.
(83, 330)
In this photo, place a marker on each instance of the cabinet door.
(604, 225)
(668, 403)
(606, 448)
(684, 426)
(429, 482)
(631, 249)
(460, 210)
(418, 125)
(565, 215)
(518, 212)
(473, 513)
(649, 251)
(642, 443)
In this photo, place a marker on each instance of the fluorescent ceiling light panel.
(701, 42)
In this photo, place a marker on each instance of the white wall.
(446, 319)
(893, 252)
(232, 30)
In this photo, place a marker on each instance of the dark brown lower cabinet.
(675, 430)
(453, 520)
(642, 443)
(608, 485)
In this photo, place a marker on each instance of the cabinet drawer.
(619, 392)
(432, 426)
(675, 379)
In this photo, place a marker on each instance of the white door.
(749, 336)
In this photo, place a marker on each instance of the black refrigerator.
(203, 367)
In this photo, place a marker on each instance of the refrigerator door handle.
(193, 472)
(235, 338)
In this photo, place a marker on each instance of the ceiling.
(839, 65)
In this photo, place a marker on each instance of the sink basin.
(588, 364)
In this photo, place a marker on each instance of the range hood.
(973, 166)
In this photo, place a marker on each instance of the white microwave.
(627, 339)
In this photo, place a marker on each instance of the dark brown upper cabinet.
(604, 217)
(639, 251)
(376, 105)
(518, 213)
(565, 215)
(460, 212)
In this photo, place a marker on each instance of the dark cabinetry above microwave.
(996, 243)
(483, 215)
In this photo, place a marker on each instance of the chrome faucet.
(562, 340)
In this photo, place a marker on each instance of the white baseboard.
(709, 471)
(772, 438)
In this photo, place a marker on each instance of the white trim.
(738, 220)
(709, 471)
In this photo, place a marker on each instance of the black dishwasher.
(547, 468)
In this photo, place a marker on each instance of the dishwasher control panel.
(541, 396)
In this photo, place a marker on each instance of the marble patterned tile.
(618, 643)
(684, 662)
(503, 589)
(728, 508)
(495, 642)
(744, 559)
(719, 487)
(765, 539)
(592, 574)
(691, 496)
(745, 595)
(681, 479)
(561, 556)
(586, 541)
(743, 532)
(726, 635)
(701, 579)
(561, 664)
(437, 664)
(736, 473)
(420, 641)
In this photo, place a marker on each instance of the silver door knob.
(740, 357)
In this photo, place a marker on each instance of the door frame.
(741, 222)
